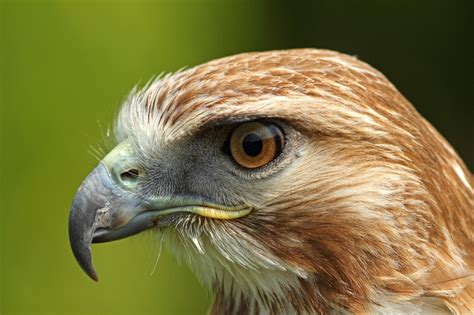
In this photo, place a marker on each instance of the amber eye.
(255, 144)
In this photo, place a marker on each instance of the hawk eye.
(255, 144)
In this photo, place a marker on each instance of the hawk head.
(289, 181)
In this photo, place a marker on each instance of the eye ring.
(255, 144)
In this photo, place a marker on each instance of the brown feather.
(388, 211)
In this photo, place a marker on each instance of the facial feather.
(374, 204)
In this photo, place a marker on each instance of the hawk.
(293, 181)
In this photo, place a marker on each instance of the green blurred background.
(67, 65)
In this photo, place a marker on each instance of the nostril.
(130, 175)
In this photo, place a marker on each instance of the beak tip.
(89, 270)
(81, 220)
(91, 273)
(94, 277)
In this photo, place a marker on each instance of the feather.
(375, 214)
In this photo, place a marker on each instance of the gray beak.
(93, 221)
(109, 206)
(91, 196)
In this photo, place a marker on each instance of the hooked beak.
(110, 206)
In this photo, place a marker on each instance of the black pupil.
(252, 144)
